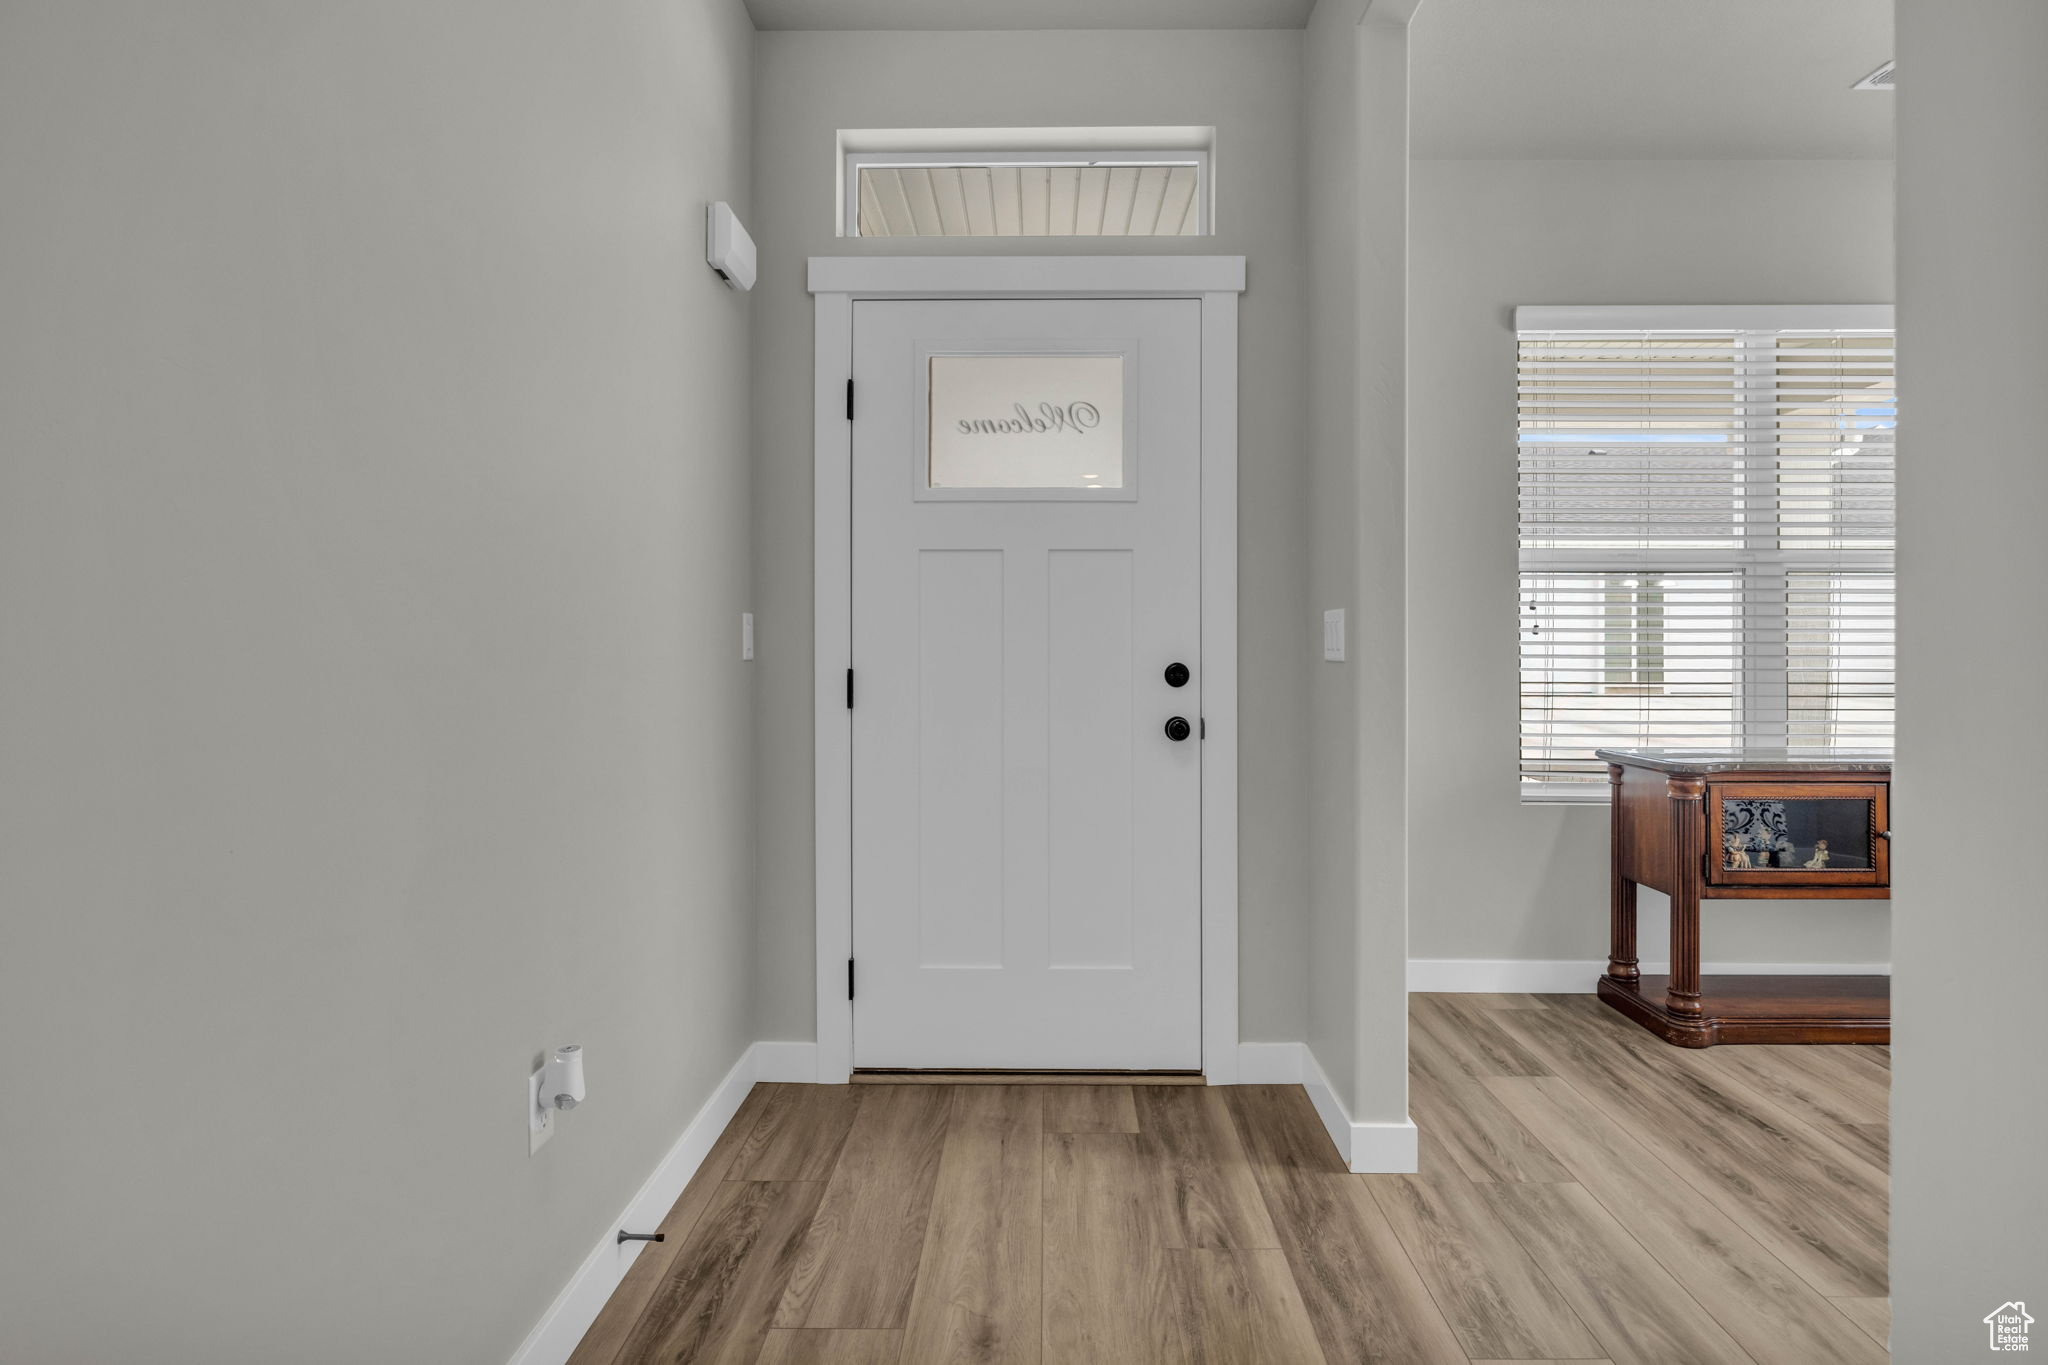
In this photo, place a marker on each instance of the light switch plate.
(1333, 636)
(746, 635)
(537, 1135)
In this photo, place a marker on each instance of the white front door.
(1026, 577)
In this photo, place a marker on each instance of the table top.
(1702, 762)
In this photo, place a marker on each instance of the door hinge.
(849, 978)
(1205, 728)
(849, 689)
(849, 400)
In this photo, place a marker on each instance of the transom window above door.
(1047, 182)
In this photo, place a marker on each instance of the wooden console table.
(1745, 826)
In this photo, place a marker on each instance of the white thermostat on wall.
(727, 246)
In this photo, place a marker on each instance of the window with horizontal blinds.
(1707, 539)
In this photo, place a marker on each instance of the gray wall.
(1245, 83)
(1355, 131)
(1969, 1199)
(1491, 877)
(1330, 141)
(373, 525)
(1382, 613)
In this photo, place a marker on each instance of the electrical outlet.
(540, 1123)
(1333, 635)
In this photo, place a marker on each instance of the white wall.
(1490, 877)
(373, 529)
(1246, 84)
(1968, 1106)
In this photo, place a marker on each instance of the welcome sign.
(1027, 421)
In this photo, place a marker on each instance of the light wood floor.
(1587, 1193)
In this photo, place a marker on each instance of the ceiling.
(1569, 79)
(1537, 79)
(1018, 14)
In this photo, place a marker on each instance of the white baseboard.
(1365, 1147)
(1330, 1109)
(786, 1062)
(1269, 1063)
(1391, 1148)
(555, 1336)
(1539, 976)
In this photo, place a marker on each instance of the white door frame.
(835, 283)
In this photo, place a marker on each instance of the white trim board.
(1574, 977)
(995, 277)
(554, 1338)
(1170, 137)
(1367, 1148)
(1710, 317)
(835, 283)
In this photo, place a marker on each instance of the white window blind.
(1707, 538)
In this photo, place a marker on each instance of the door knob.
(1178, 729)
(1176, 675)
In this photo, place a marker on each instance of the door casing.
(835, 283)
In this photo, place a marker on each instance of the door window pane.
(1026, 421)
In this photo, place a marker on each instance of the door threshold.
(887, 1076)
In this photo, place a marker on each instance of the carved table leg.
(1622, 964)
(1621, 915)
(1683, 998)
